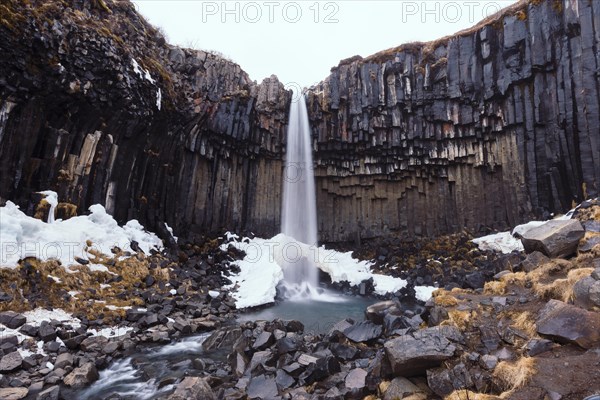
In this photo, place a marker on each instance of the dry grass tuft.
(514, 375)
(468, 395)
(524, 322)
(445, 301)
(561, 289)
(459, 319)
(494, 287)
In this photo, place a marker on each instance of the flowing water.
(299, 209)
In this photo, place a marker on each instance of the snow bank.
(507, 242)
(22, 236)
(261, 269)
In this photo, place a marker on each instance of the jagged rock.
(355, 381)
(52, 393)
(193, 388)
(569, 324)
(46, 332)
(556, 238)
(583, 292)
(63, 360)
(534, 260)
(82, 376)
(222, 338)
(414, 353)
(11, 362)
(363, 331)
(538, 346)
(400, 388)
(283, 379)
(264, 340)
(488, 362)
(376, 312)
(16, 393)
(12, 320)
(94, 343)
(263, 388)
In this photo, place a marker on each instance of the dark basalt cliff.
(94, 104)
(481, 130)
(487, 128)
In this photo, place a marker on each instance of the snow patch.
(39, 315)
(110, 333)
(158, 99)
(170, 230)
(141, 72)
(261, 269)
(23, 236)
(424, 293)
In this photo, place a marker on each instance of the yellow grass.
(468, 395)
(514, 375)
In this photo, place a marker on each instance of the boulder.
(64, 360)
(355, 383)
(12, 320)
(556, 238)
(11, 362)
(533, 261)
(566, 323)
(376, 312)
(82, 376)
(363, 331)
(52, 393)
(223, 337)
(400, 388)
(16, 393)
(262, 387)
(413, 354)
(193, 388)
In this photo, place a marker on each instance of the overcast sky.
(299, 41)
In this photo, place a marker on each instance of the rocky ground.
(530, 331)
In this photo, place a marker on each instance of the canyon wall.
(95, 105)
(484, 129)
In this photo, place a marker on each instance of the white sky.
(299, 41)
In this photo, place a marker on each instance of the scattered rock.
(11, 362)
(262, 387)
(64, 360)
(12, 320)
(400, 388)
(15, 393)
(555, 238)
(193, 388)
(82, 376)
(414, 353)
(533, 261)
(569, 324)
(363, 331)
(52, 393)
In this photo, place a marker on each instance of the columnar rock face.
(487, 128)
(94, 104)
(481, 130)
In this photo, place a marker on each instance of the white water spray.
(299, 208)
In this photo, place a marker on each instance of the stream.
(153, 372)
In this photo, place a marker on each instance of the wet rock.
(265, 339)
(555, 238)
(569, 324)
(320, 369)
(193, 388)
(82, 376)
(400, 388)
(344, 352)
(11, 362)
(363, 331)
(15, 393)
(52, 393)
(287, 344)
(223, 337)
(12, 320)
(262, 387)
(376, 312)
(414, 353)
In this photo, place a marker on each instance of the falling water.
(299, 210)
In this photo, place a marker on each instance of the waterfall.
(299, 209)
